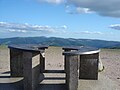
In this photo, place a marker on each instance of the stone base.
(31, 70)
(42, 63)
(71, 72)
(89, 66)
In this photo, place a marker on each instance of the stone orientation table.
(81, 64)
(28, 61)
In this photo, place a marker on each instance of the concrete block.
(42, 63)
(89, 66)
(71, 72)
(65, 50)
(31, 68)
(16, 63)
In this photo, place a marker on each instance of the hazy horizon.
(61, 37)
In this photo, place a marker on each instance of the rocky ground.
(109, 79)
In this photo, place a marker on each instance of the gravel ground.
(109, 79)
(4, 60)
(111, 60)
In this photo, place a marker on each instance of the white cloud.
(102, 7)
(53, 1)
(115, 26)
(13, 30)
(15, 27)
(109, 8)
(83, 10)
(77, 10)
(89, 32)
(64, 27)
(25, 28)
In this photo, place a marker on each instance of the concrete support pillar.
(65, 50)
(42, 63)
(89, 66)
(71, 72)
(16, 62)
(31, 70)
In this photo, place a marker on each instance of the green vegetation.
(3, 46)
(115, 48)
(54, 41)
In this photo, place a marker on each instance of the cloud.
(109, 8)
(77, 10)
(83, 10)
(115, 26)
(64, 27)
(53, 1)
(89, 32)
(23, 28)
(13, 30)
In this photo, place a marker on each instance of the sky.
(84, 19)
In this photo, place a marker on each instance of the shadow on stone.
(41, 77)
(4, 76)
(54, 71)
(54, 78)
(12, 86)
(52, 87)
(8, 72)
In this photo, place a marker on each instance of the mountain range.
(54, 41)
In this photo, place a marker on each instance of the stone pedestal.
(42, 63)
(71, 72)
(16, 63)
(31, 70)
(89, 66)
(65, 50)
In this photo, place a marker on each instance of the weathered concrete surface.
(65, 50)
(42, 63)
(16, 63)
(71, 72)
(31, 70)
(53, 81)
(89, 66)
(103, 83)
(4, 60)
(54, 58)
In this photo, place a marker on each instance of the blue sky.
(60, 18)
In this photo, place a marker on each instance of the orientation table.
(81, 64)
(28, 61)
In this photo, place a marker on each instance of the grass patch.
(3, 46)
(110, 50)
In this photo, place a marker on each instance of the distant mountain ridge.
(54, 41)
